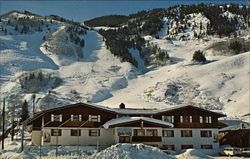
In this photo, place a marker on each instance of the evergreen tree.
(16, 28)
(82, 43)
(24, 111)
(40, 76)
(77, 40)
(198, 56)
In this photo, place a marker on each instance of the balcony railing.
(146, 138)
(196, 125)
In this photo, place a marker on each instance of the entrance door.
(124, 139)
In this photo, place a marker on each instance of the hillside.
(146, 58)
(184, 22)
(55, 66)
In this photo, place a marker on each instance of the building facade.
(177, 128)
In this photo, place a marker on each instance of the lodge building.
(85, 124)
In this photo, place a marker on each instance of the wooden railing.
(196, 125)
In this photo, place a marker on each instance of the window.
(186, 133)
(201, 119)
(139, 132)
(206, 133)
(186, 146)
(209, 119)
(76, 117)
(186, 119)
(206, 119)
(151, 132)
(95, 118)
(206, 147)
(74, 132)
(168, 147)
(57, 117)
(94, 132)
(168, 133)
(124, 139)
(181, 119)
(56, 132)
(169, 119)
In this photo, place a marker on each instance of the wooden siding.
(85, 110)
(77, 109)
(190, 111)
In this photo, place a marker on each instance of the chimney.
(122, 106)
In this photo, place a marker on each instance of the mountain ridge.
(148, 67)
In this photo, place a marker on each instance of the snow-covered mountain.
(62, 62)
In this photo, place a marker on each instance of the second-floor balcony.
(146, 138)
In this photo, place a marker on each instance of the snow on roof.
(147, 111)
(236, 127)
(172, 108)
(129, 119)
(137, 111)
(218, 111)
(230, 122)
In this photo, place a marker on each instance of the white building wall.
(36, 137)
(106, 137)
(196, 140)
(110, 136)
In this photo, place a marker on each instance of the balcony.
(196, 125)
(146, 138)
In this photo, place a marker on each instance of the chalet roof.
(230, 122)
(133, 111)
(179, 107)
(154, 111)
(130, 119)
(124, 111)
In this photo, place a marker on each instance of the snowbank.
(192, 154)
(132, 151)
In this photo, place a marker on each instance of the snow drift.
(132, 151)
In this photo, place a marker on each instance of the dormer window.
(95, 118)
(56, 117)
(76, 117)
(169, 119)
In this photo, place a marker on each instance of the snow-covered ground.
(100, 77)
(127, 151)
(221, 84)
(98, 74)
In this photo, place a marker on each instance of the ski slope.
(98, 74)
